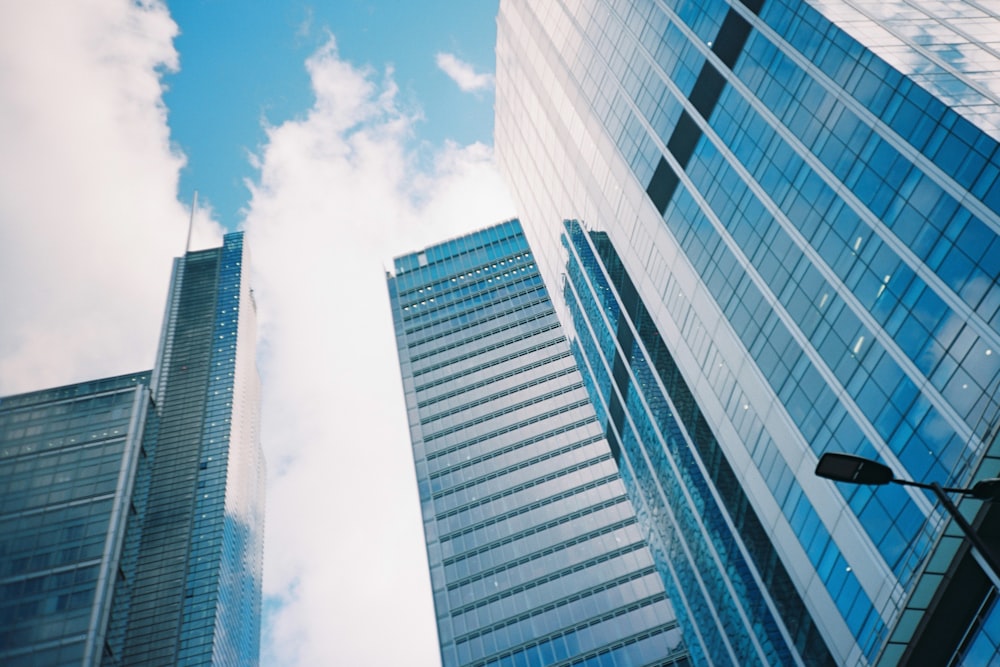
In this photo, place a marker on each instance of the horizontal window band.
(569, 493)
(513, 468)
(540, 581)
(506, 410)
(481, 352)
(506, 326)
(535, 555)
(527, 442)
(482, 307)
(513, 427)
(496, 362)
(485, 383)
(583, 465)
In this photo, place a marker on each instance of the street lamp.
(857, 470)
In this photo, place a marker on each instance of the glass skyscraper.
(773, 230)
(536, 556)
(131, 508)
(67, 460)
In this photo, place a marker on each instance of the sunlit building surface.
(535, 553)
(772, 229)
(131, 508)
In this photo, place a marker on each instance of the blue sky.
(241, 68)
(337, 136)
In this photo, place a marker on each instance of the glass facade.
(67, 459)
(774, 226)
(535, 552)
(651, 415)
(191, 595)
(159, 479)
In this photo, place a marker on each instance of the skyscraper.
(67, 458)
(773, 229)
(535, 553)
(132, 507)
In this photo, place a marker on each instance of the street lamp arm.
(987, 489)
(858, 470)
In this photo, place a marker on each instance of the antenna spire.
(194, 205)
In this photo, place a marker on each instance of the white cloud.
(463, 74)
(339, 193)
(89, 217)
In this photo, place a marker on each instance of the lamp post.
(857, 470)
